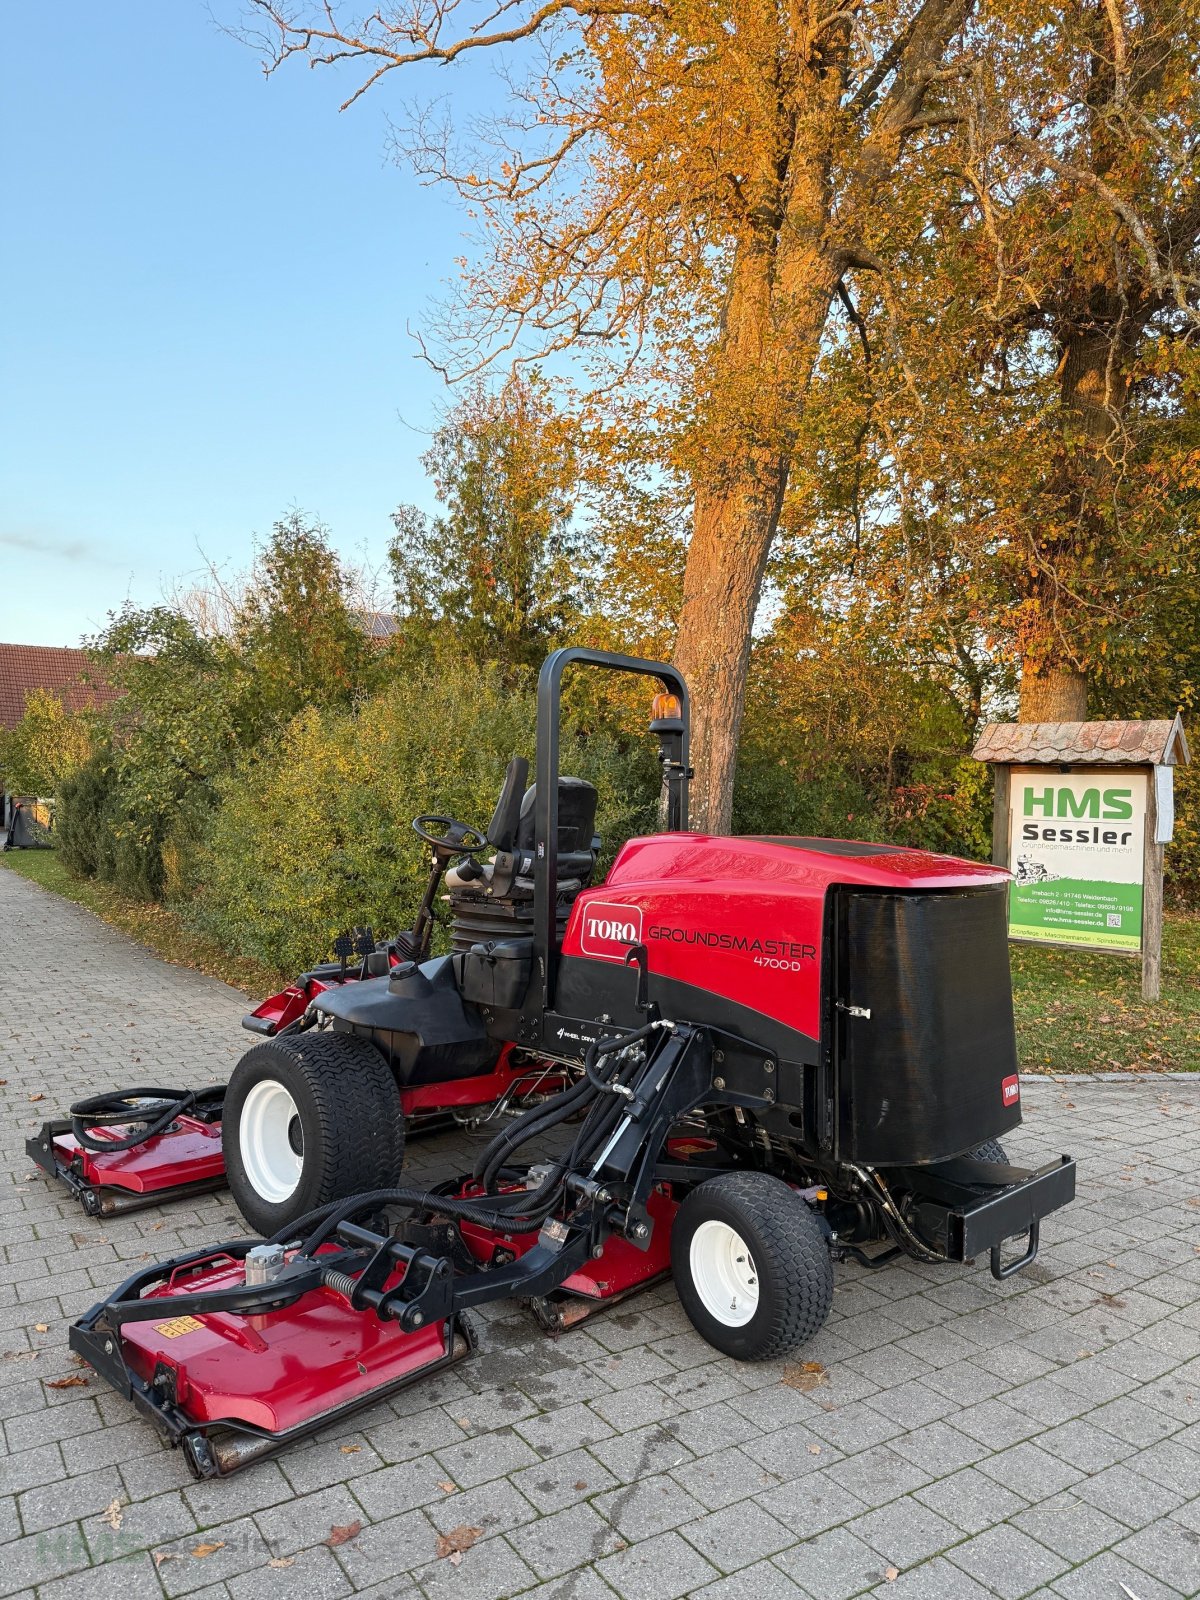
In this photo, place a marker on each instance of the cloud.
(53, 545)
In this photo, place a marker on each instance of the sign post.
(1082, 812)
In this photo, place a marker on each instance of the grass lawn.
(1079, 1012)
(158, 928)
(1076, 1012)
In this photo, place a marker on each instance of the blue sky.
(206, 280)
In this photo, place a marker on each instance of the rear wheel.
(751, 1265)
(307, 1120)
(991, 1150)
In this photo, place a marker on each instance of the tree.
(46, 746)
(499, 575)
(299, 642)
(679, 189)
(1001, 446)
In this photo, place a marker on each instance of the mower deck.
(110, 1165)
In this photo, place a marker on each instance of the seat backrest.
(576, 816)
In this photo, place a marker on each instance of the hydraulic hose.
(112, 1110)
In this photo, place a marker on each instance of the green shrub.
(313, 834)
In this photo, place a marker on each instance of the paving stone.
(724, 1478)
(970, 1500)
(239, 1547)
(1168, 1551)
(878, 1475)
(312, 1573)
(128, 1578)
(1111, 1574)
(1008, 1562)
(1030, 1471)
(495, 1507)
(1129, 1497)
(833, 1565)
(933, 1580)
(566, 1542)
(1070, 1526)
(553, 1433)
(563, 1481)
(764, 1581)
(144, 1524)
(906, 1532)
(662, 1568)
(737, 1536)
(387, 1549)
(491, 1571)
(42, 1556)
(307, 1519)
(492, 1455)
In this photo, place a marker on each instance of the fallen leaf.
(41, 1327)
(814, 1449)
(165, 1555)
(581, 1486)
(203, 1550)
(75, 1381)
(891, 1574)
(21, 1355)
(282, 1561)
(805, 1375)
(37, 1097)
(446, 1486)
(351, 1449)
(456, 1558)
(343, 1534)
(1194, 1199)
(113, 1515)
(456, 1541)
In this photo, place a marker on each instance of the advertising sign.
(1076, 848)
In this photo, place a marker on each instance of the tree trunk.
(1052, 694)
(779, 299)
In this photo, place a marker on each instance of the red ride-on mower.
(775, 1053)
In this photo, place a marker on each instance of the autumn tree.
(499, 573)
(676, 191)
(1003, 429)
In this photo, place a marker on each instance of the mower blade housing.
(185, 1159)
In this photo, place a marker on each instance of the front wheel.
(751, 1265)
(307, 1120)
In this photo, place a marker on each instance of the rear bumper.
(968, 1208)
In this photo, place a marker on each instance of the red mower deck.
(135, 1147)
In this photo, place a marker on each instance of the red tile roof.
(69, 674)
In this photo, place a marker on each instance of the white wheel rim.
(724, 1274)
(270, 1163)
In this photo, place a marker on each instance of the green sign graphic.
(1076, 853)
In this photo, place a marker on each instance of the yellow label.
(177, 1326)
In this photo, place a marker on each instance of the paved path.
(972, 1439)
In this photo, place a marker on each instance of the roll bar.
(545, 809)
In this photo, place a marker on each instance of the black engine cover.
(932, 1070)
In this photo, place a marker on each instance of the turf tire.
(990, 1150)
(790, 1254)
(349, 1110)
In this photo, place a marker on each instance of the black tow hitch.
(968, 1208)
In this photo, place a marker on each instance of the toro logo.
(1010, 1090)
(609, 930)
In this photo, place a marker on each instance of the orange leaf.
(343, 1535)
(456, 1541)
(75, 1381)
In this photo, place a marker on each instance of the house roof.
(378, 625)
(69, 674)
(1092, 744)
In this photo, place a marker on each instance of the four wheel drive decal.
(609, 930)
(1010, 1090)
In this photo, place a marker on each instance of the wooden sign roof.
(1085, 744)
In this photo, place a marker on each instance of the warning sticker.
(177, 1326)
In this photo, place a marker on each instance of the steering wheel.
(456, 837)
